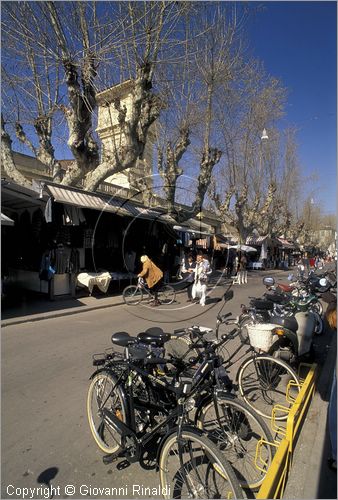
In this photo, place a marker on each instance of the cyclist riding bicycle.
(153, 276)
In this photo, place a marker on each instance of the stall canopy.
(256, 240)
(285, 244)
(6, 221)
(98, 201)
(194, 227)
(244, 248)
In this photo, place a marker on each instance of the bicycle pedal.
(108, 459)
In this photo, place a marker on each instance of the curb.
(55, 314)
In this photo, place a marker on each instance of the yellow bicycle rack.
(274, 483)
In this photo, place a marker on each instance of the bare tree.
(249, 173)
(90, 42)
(214, 50)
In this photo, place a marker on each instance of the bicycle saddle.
(290, 323)
(265, 305)
(122, 338)
(154, 335)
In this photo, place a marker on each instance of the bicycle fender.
(221, 393)
(172, 431)
(121, 387)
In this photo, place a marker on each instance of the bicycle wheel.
(263, 381)
(166, 294)
(132, 295)
(104, 393)
(193, 467)
(180, 347)
(236, 431)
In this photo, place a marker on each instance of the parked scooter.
(290, 324)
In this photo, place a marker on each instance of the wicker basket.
(261, 336)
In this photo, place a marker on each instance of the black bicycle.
(132, 411)
(263, 380)
(133, 295)
(229, 423)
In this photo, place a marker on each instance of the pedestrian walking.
(242, 274)
(199, 288)
(188, 273)
(153, 276)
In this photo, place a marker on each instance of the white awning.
(6, 221)
(81, 199)
(193, 226)
(98, 201)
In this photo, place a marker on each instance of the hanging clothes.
(62, 259)
(48, 210)
(73, 216)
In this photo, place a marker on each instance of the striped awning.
(255, 240)
(6, 221)
(82, 199)
(285, 243)
(194, 227)
(98, 201)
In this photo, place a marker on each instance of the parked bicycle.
(230, 423)
(134, 294)
(141, 416)
(263, 380)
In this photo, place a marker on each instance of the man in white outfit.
(200, 281)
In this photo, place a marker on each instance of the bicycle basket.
(261, 336)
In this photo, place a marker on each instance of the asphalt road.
(47, 448)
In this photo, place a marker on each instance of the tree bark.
(7, 159)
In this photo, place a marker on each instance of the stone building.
(112, 137)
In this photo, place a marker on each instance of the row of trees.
(194, 82)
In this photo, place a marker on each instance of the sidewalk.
(38, 308)
(310, 476)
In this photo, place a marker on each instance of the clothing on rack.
(48, 210)
(62, 259)
(73, 216)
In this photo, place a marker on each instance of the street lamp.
(264, 135)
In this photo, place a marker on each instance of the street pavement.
(46, 364)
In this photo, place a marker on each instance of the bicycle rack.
(274, 483)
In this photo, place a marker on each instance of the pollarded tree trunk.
(7, 159)
(171, 171)
(145, 109)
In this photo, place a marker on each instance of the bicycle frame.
(130, 431)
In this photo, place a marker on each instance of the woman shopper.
(199, 288)
(242, 272)
(153, 276)
(188, 270)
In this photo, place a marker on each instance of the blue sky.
(298, 43)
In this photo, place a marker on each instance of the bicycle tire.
(132, 295)
(237, 433)
(207, 462)
(262, 382)
(103, 383)
(179, 347)
(166, 295)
